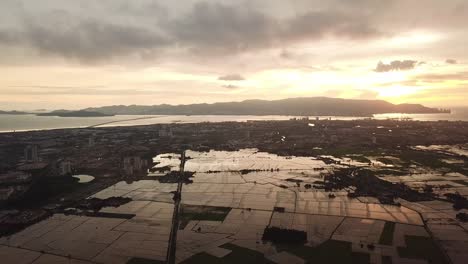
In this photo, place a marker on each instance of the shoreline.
(54, 123)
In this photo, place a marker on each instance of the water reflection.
(83, 178)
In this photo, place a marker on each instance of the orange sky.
(58, 54)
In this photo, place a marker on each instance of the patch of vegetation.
(367, 184)
(418, 247)
(16, 222)
(238, 255)
(279, 209)
(459, 201)
(463, 217)
(46, 188)
(176, 176)
(330, 252)
(339, 152)
(391, 172)
(284, 236)
(96, 204)
(98, 214)
(202, 213)
(144, 261)
(431, 159)
(203, 258)
(463, 182)
(160, 169)
(386, 238)
(247, 171)
(387, 260)
(386, 161)
(294, 180)
(359, 158)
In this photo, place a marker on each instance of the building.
(15, 177)
(334, 139)
(31, 154)
(65, 168)
(165, 131)
(133, 164)
(91, 141)
(14, 185)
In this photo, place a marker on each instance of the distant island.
(306, 106)
(81, 113)
(12, 113)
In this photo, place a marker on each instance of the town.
(403, 165)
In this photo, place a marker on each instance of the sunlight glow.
(414, 38)
(397, 91)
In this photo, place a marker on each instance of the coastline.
(24, 123)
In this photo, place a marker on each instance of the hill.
(12, 113)
(81, 113)
(308, 106)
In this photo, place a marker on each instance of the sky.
(58, 54)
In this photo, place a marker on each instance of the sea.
(12, 123)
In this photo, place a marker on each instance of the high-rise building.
(91, 141)
(65, 168)
(133, 164)
(31, 154)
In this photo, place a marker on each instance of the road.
(171, 249)
(125, 120)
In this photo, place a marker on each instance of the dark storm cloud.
(228, 29)
(204, 29)
(319, 24)
(451, 61)
(396, 66)
(231, 77)
(219, 28)
(90, 40)
(99, 30)
(7, 37)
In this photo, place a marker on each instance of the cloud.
(396, 66)
(7, 37)
(91, 40)
(218, 28)
(91, 31)
(286, 54)
(214, 28)
(231, 77)
(319, 24)
(440, 77)
(450, 61)
(204, 29)
(406, 83)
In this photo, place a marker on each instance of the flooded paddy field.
(233, 196)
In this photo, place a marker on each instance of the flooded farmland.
(233, 197)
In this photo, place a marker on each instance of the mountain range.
(304, 106)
